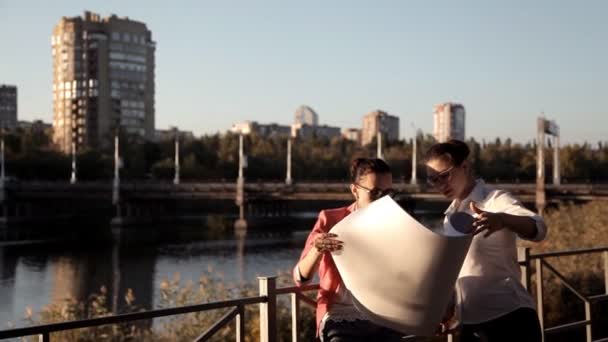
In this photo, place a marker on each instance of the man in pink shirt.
(337, 318)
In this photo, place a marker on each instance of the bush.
(174, 293)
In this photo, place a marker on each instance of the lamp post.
(73, 177)
(288, 179)
(379, 145)
(176, 177)
(116, 183)
(414, 179)
(2, 172)
(241, 222)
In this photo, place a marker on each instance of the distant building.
(306, 116)
(161, 135)
(352, 134)
(309, 131)
(273, 130)
(245, 127)
(265, 130)
(8, 107)
(448, 122)
(379, 121)
(103, 80)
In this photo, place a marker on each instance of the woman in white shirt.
(491, 302)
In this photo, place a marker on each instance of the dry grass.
(576, 227)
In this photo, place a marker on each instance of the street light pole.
(414, 179)
(2, 172)
(176, 177)
(241, 222)
(73, 177)
(116, 184)
(556, 166)
(379, 145)
(288, 179)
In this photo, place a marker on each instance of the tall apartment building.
(8, 107)
(448, 121)
(103, 80)
(306, 116)
(379, 121)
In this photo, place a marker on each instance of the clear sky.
(219, 62)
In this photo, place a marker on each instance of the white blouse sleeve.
(505, 202)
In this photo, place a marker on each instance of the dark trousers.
(358, 331)
(521, 325)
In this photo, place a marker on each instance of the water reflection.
(8, 269)
(118, 269)
(240, 235)
(37, 275)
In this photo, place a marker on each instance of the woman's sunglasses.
(440, 178)
(376, 193)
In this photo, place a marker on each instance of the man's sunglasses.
(376, 193)
(440, 178)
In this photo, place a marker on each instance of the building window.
(116, 36)
(117, 55)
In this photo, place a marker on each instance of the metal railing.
(267, 301)
(540, 265)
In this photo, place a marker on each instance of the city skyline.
(220, 65)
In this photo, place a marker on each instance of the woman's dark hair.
(362, 166)
(453, 151)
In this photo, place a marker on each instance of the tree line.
(30, 155)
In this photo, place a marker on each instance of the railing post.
(240, 324)
(605, 254)
(589, 326)
(295, 318)
(523, 256)
(539, 296)
(44, 337)
(268, 309)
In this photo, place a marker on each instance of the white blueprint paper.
(401, 274)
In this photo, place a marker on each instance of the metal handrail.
(571, 252)
(129, 317)
(222, 322)
(525, 259)
(267, 300)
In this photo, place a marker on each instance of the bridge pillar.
(541, 201)
(556, 166)
(545, 126)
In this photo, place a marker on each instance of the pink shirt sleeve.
(319, 228)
